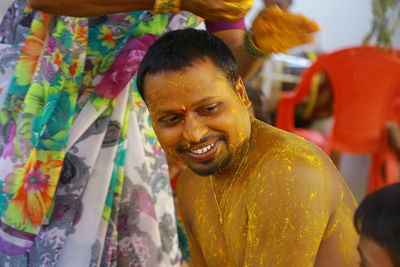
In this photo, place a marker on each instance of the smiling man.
(253, 195)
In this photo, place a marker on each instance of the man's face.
(373, 255)
(197, 115)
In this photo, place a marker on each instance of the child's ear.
(241, 91)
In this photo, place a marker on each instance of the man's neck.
(238, 159)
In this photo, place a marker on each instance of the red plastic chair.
(364, 81)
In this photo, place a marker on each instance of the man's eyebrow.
(165, 112)
(201, 101)
(178, 110)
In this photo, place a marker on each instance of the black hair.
(178, 49)
(378, 218)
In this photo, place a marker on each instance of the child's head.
(377, 220)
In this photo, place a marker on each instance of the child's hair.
(378, 218)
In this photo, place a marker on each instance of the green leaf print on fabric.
(35, 99)
(99, 102)
(154, 26)
(4, 116)
(117, 180)
(4, 199)
(50, 130)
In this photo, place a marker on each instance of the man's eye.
(170, 120)
(210, 109)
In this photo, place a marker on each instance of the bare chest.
(222, 244)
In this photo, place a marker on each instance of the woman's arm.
(212, 10)
(88, 8)
(273, 31)
(247, 64)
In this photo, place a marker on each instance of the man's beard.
(209, 166)
(213, 168)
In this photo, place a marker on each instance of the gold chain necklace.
(222, 208)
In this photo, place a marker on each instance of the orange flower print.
(73, 67)
(32, 49)
(81, 33)
(33, 187)
(58, 58)
(107, 36)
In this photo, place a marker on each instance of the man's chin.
(210, 169)
(204, 172)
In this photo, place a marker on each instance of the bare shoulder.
(296, 196)
(288, 164)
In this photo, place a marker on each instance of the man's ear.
(241, 91)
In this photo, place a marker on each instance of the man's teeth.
(202, 150)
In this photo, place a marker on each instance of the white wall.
(343, 22)
(3, 6)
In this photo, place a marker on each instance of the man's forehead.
(195, 67)
(188, 92)
(181, 80)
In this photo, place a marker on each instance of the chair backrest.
(364, 82)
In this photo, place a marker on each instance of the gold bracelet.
(252, 48)
(167, 6)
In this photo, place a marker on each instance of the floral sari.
(83, 179)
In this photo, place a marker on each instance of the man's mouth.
(202, 150)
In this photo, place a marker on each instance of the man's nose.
(194, 129)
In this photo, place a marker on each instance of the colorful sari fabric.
(83, 180)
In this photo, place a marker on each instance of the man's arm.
(340, 233)
(196, 254)
(295, 219)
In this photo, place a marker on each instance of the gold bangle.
(252, 48)
(167, 6)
